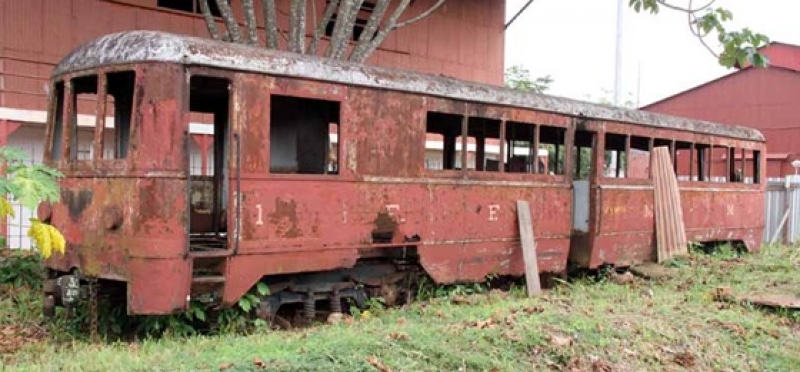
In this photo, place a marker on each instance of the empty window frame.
(684, 159)
(702, 165)
(443, 141)
(521, 152)
(119, 106)
(300, 135)
(720, 169)
(582, 156)
(639, 157)
(756, 166)
(84, 117)
(552, 139)
(57, 120)
(615, 158)
(483, 144)
(744, 165)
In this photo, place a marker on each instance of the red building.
(760, 98)
(462, 39)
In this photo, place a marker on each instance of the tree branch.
(250, 21)
(326, 17)
(345, 19)
(270, 23)
(230, 21)
(297, 26)
(378, 39)
(369, 30)
(682, 9)
(211, 23)
(421, 15)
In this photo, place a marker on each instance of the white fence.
(782, 203)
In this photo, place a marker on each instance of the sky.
(574, 42)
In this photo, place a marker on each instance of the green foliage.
(739, 48)
(20, 268)
(28, 184)
(519, 78)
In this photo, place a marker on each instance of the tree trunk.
(392, 25)
(250, 21)
(270, 23)
(370, 29)
(230, 21)
(209, 18)
(345, 19)
(297, 26)
(326, 17)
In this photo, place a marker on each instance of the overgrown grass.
(586, 324)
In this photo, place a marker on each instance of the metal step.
(208, 279)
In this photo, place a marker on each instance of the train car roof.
(153, 46)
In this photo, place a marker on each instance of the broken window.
(582, 155)
(703, 165)
(443, 141)
(521, 153)
(119, 106)
(684, 157)
(552, 139)
(300, 135)
(720, 171)
(57, 118)
(484, 135)
(756, 166)
(84, 117)
(615, 157)
(639, 157)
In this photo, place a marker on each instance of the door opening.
(209, 188)
(583, 164)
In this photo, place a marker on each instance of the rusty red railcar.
(333, 181)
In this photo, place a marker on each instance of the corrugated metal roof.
(152, 46)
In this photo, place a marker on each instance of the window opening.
(485, 135)
(615, 157)
(190, 6)
(719, 164)
(703, 164)
(639, 157)
(119, 106)
(209, 98)
(552, 140)
(57, 118)
(300, 135)
(443, 141)
(756, 166)
(684, 157)
(84, 117)
(521, 154)
(582, 155)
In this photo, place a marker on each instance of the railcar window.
(521, 149)
(582, 155)
(719, 165)
(119, 105)
(84, 117)
(703, 164)
(484, 135)
(443, 141)
(756, 164)
(615, 157)
(553, 139)
(684, 157)
(57, 118)
(300, 135)
(639, 157)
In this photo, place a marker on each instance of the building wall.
(463, 39)
(764, 99)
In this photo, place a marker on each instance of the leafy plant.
(30, 184)
(21, 269)
(519, 78)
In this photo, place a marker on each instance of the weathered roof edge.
(154, 46)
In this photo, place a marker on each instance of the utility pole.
(618, 60)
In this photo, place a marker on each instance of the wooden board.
(670, 230)
(528, 248)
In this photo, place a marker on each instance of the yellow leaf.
(59, 244)
(40, 235)
(6, 209)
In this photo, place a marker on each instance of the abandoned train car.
(321, 186)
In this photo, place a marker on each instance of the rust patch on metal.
(284, 219)
(76, 201)
(385, 227)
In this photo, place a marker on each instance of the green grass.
(663, 325)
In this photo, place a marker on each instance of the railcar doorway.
(209, 187)
(583, 164)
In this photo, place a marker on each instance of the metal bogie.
(227, 165)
